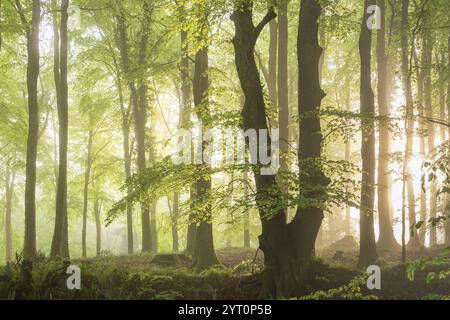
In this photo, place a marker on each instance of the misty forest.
(225, 149)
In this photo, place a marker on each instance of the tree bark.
(138, 100)
(409, 120)
(140, 119)
(272, 74)
(10, 175)
(60, 247)
(283, 90)
(126, 115)
(368, 251)
(204, 252)
(447, 211)
(247, 242)
(98, 226)
(287, 248)
(186, 101)
(175, 216)
(422, 145)
(33, 69)
(87, 176)
(431, 135)
(386, 239)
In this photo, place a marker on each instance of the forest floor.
(143, 277)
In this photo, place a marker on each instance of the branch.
(270, 15)
(437, 121)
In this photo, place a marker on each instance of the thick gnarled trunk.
(287, 247)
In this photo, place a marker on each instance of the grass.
(137, 278)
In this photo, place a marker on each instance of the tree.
(283, 88)
(60, 245)
(32, 35)
(428, 56)
(368, 252)
(87, 177)
(10, 178)
(287, 247)
(386, 239)
(138, 99)
(409, 119)
(204, 253)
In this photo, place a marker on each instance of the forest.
(224, 150)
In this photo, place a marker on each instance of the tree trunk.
(185, 119)
(386, 239)
(348, 158)
(272, 76)
(409, 121)
(441, 60)
(368, 250)
(60, 247)
(138, 100)
(153, 228)
(283, 90)
(422, 145)
(247, 243)
(348, 211)
(192, 227)
(98, 226)
(428, 56)
(447, 225)
(204, 252)
(127, 152)
(140, 119)
(287, 248)
(9, 192)
(33, 67)
(127, 166)
(175, 215)
(87, 176)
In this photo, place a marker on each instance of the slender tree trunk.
(409, 121)
(204, 252)
(60, 247)
(138, 99)
(192, 228)
(127, 165)
(87, 176)
(368, 251)
(153, 228)
(98, 226)
(447, 211)
(127, 152)
(30, 251)
(140, 119)
(9, 192)
(348, 211)
(175, 216)
(441, 60)
(273, 58)
(283, 90)
(386, 240)
(247, 243)
(422, 145)
(348, 158)
(428, 56)
(185, 119)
